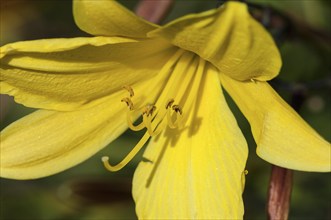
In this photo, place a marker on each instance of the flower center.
(150, 114)
(150, 120)
(172, 107)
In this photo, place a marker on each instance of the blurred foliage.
(88, 191)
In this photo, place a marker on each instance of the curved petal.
(230, 39)
(195, 173)
(66, 74)
(282, 137)
(47, 142)
(58, 45)
(109, 18)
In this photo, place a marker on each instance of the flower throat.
(184, 71)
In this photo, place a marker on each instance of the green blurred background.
(89, 192)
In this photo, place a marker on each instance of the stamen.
(129, 114)
(179, 120)
(131, 125)
(171, 124)
(148, 124)
(128, 158)
(147, 118)
(130, 90)
(169, 103)
(150, 109)
(179, 115)
(177, 109)
(128, 102)
(177, 123)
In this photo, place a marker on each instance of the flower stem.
(154, 11)
(280, 187)
(280, 184)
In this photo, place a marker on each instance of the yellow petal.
(47, 142)
(66, 74)
(282, 136)
(195, 173)
(229, 38)
(59, 45)
(109, 18)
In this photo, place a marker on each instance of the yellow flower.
(172, 75)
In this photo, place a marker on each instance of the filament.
(128, 158)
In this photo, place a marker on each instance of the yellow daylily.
(172, 76)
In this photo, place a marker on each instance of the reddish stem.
(154, 10)
(280, 188)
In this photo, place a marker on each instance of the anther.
(177, 109)
(128, 103)
(170, 103)
(178, 117)
(150, 109)
(130, 90)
